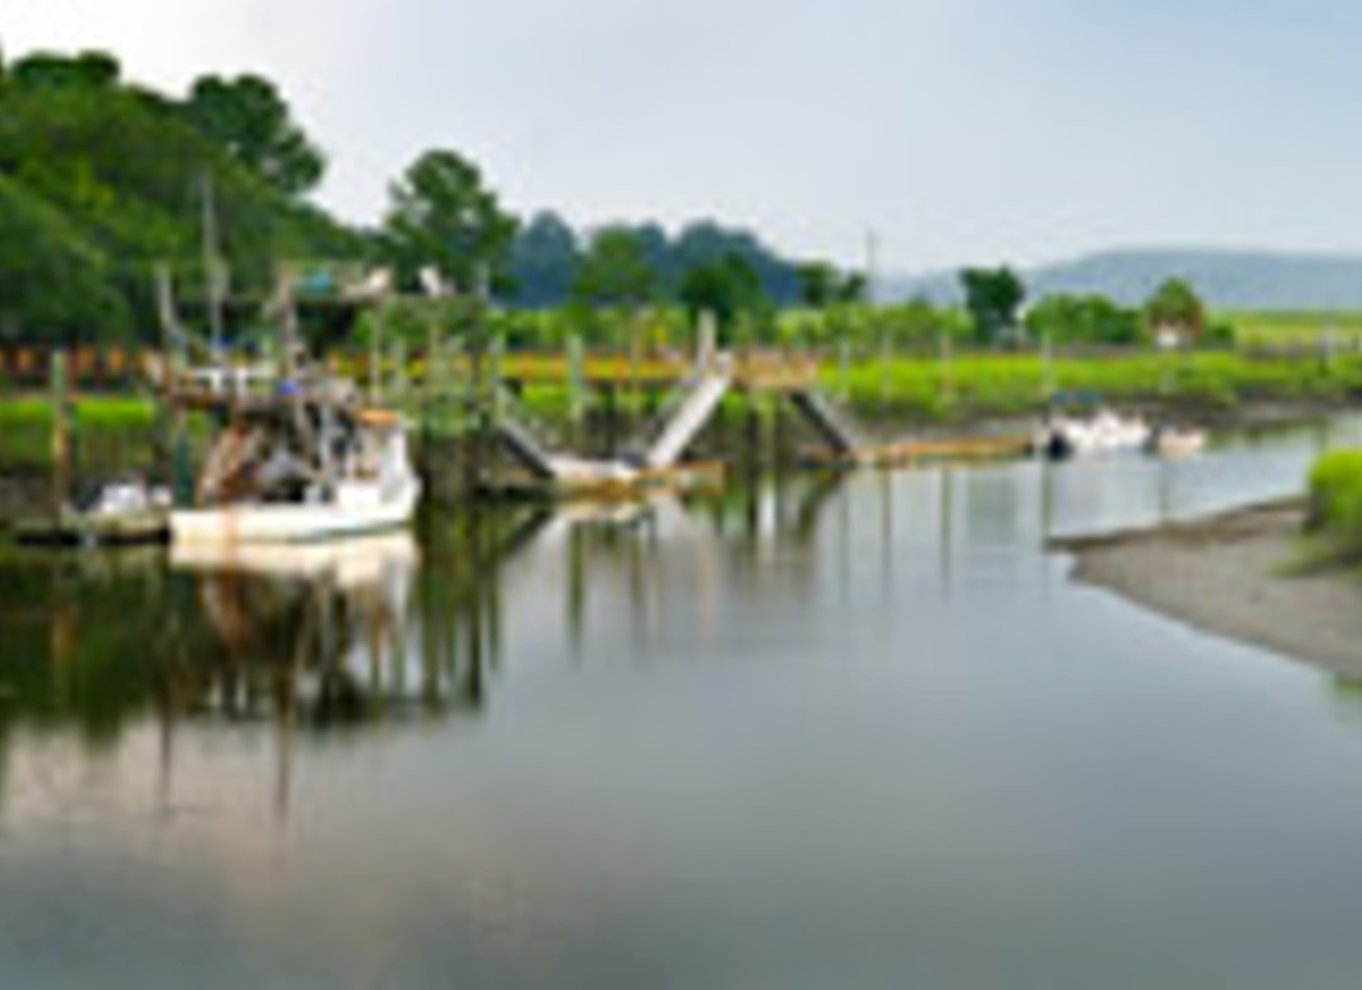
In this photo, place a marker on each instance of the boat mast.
(214, 269)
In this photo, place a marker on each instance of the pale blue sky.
(964, 131)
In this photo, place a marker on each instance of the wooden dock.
(903, 453)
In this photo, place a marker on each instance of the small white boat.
(1103, 432)
(296, 472)
(1177, 441)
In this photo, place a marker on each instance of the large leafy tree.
(726, 287)
(123, 168)
(92, 69)
(817, 284)
(443, 215)
(992, 297)
(54, 283)
(249, 119)
(1175, 308)
(707, 243)
(615, 270)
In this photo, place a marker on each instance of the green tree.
(544, 260)
(443, 215)
(1085, 319)
(817, 283)
(852, 288)
(54, 284)
(123, 167)
(705, 242)
(92, 69)
(614, 271)
(247, 117)
(729, 288)
(992, 297)
(1175, 308)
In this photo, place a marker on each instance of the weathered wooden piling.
(62, 426)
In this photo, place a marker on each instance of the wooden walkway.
(752, 371)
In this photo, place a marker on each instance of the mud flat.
(1238, 575)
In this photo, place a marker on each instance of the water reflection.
(322, 638)
(392, 628)
(835, 714)
(311, 633)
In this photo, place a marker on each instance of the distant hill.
(1226, 279)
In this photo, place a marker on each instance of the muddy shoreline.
(1238, 574)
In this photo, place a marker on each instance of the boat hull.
(291, 522)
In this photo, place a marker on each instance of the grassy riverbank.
(116, 430)
(113, 430)
(973, 386)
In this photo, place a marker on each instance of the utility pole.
(872, 251)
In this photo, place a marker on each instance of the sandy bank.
(1226, 574)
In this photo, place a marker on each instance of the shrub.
(1336, 499)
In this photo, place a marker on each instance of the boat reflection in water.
(309, 632)
(289, 644)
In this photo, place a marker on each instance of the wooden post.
(844, 362)
(576, 384)
(496, 363)
(947, 386)
(376, 355)
(61, 430)
(753, 431)
(611, 416)
(428, 381)
(1047, 364)
(635, 345)
(707, 341)
(475, 437)
(399, 372)
(886, 368)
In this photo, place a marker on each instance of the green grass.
(1292, 328)
(971, 385)
(113, 431)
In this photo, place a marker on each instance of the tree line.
(102, 180)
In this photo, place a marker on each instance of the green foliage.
(1089, 319)
(124, 169)
(1004, 384)
(1175, 307)
(992, 296)
(615, 270)
(1336, 499)
(92, 69)
(1294, 328)
(248, 118)
(728, 287)
(822, 285)
(443, 215)
(113, 433)
(817, 284)
(54, 283)
(544, 261)
(546, 256)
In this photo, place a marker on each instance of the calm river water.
(855, 732)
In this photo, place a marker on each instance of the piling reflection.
(331, 637)
(312, 633)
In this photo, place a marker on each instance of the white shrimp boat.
(298, 470)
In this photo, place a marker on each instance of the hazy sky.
(956, 130)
